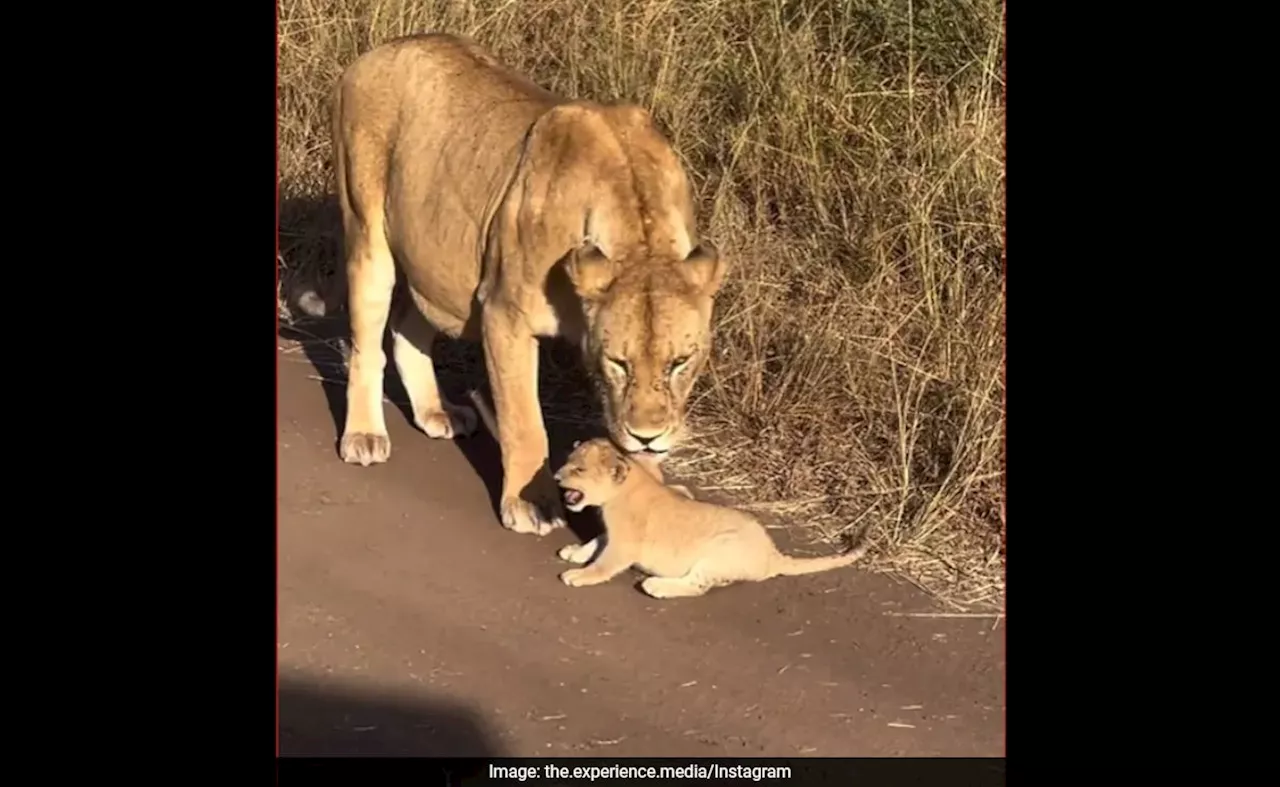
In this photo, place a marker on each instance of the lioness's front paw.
(521, 516)
(452, 421)
(364, 449)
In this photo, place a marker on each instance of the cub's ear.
(618, 468)
(705, 268)
(590, 271)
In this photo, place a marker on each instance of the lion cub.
(686, 546)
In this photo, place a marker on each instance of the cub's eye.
(679, 363)
(618, 365)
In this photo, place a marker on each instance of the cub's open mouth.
(572, 497)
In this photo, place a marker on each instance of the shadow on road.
(319, 721)
(310, 241)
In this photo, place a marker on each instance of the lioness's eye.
(681, 361)
(617, 364)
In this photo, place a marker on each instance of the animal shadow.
(317, 720)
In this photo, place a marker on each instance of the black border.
(165, 131)
(1116, 673)
(462, 772)
(181, 123)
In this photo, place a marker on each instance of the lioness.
(507, 213)
(687, 546)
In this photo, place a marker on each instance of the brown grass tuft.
(850, 155)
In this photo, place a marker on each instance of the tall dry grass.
(849, 154)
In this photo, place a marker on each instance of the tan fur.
(686, 546)
(507, 213)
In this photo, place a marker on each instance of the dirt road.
(411, 623)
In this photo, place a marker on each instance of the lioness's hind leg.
(412, 337)
(371, 279)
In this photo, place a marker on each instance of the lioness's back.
(441, 69)
(427, 129)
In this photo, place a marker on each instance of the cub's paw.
(364, 449)
(521, 516)
(575, 553)
(671, 587)
(652, 587)
(574, 577)
(453, 421)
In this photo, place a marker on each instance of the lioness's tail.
(787, 566)
(485, 413)
(317, 301)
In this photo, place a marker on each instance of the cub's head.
(592, 474)
(648, 338)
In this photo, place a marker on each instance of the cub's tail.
(787, 566)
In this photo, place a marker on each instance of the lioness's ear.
(705, 268)
(590, 271)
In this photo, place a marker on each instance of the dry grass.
(849, 154)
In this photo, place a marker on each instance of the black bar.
(570, 771)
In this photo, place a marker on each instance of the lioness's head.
(648, 338)
(592, 474)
